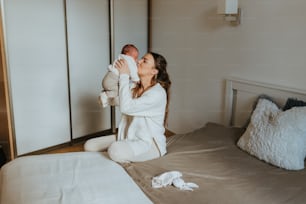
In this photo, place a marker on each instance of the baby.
(110, 82)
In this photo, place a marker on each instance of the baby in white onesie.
(110, 82)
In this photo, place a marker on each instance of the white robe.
(142, 118)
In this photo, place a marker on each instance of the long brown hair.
(162, 78)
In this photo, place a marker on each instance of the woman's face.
(146, 65)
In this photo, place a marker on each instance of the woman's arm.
(151, 103)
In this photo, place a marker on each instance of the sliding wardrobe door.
(34, 37)
(130, 26)
(89, 57)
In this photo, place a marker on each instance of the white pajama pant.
(121, 151)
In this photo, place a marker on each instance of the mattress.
(225, 174)
(67, 178)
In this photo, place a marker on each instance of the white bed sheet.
(76, 178)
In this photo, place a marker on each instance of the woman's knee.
(90, 146)
(99, 143)
(120, 152)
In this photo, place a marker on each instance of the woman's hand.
(122, 66)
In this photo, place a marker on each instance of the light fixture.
(230, 10)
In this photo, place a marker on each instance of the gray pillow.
(293, 102)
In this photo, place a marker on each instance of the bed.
(208, 156)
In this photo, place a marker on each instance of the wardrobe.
(54, 56)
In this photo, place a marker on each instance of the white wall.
(202, 50)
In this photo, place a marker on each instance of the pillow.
(263, 96)
(293, 102)
(275, 136)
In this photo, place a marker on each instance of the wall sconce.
(230, 10)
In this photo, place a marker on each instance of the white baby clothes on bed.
(172, 178)
(180, 183)
(165, 179)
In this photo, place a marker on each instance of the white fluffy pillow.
(275, 136)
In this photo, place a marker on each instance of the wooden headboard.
(242, 94)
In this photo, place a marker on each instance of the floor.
(73, 148)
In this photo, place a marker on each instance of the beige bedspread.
(225, 174)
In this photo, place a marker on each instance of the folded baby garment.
(172, 178)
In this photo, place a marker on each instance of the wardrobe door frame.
(36, 73)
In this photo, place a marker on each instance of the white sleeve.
(151, 103)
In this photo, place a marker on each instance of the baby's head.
(130, 50)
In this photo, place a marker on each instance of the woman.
(144, 111)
